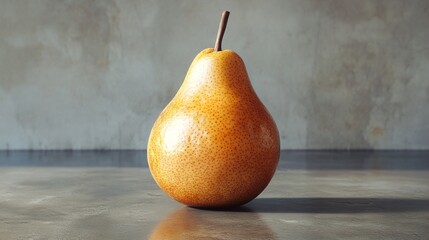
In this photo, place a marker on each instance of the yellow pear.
(215, 144)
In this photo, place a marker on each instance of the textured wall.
(95, 74)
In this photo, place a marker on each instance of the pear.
(215, 144)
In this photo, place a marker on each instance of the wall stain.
(90, 23)
(354, 12)
(94, 22)
(378, 132)
(16, 63)
(342, 94)
(355, 98)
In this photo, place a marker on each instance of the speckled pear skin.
(215, 144)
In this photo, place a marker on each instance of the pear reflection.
(189, 223)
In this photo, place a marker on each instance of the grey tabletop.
(313, 195)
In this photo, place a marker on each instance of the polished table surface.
(313, 195)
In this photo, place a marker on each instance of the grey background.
(95, 74)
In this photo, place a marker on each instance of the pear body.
(215, 144)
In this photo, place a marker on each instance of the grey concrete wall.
(95, 74)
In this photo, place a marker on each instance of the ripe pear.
(215, 144)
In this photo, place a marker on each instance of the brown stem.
(221, 31)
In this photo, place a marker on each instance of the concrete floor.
(314, 195)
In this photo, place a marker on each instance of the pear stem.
(221, 31)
